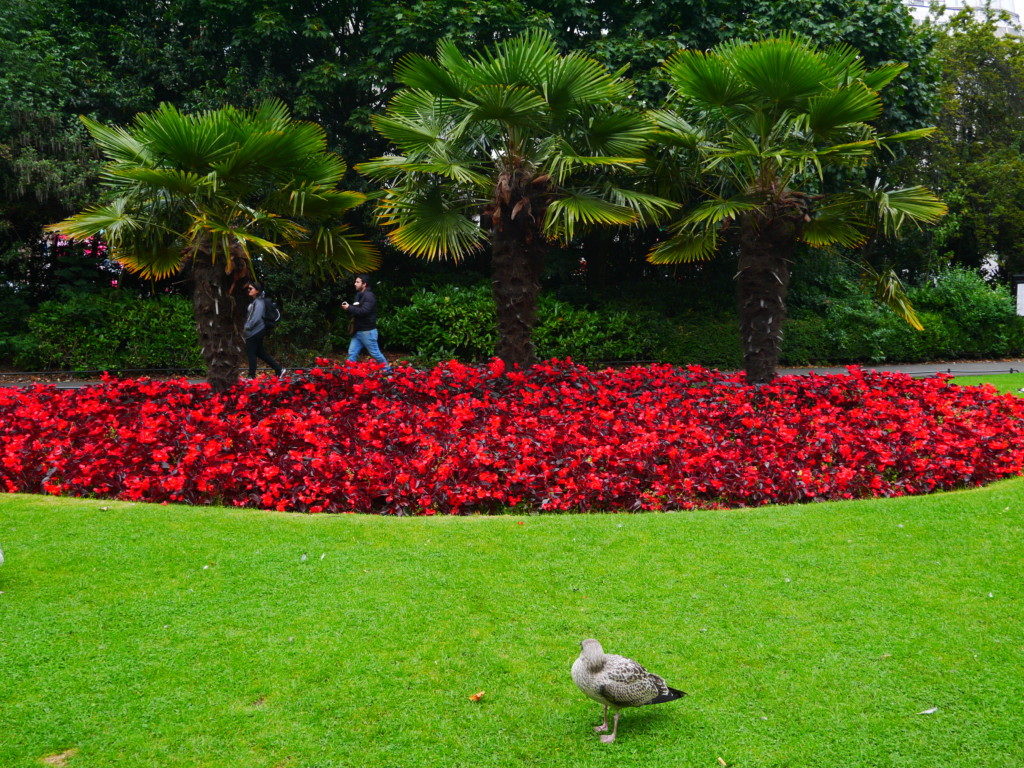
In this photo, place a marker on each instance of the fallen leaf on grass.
(931, 711)
(477, 696)
(721, 761)
(60, 758)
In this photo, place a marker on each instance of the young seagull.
(617, 682)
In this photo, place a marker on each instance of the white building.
(921, 9)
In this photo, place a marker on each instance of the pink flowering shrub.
(557, 437)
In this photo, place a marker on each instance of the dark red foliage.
(557, 437)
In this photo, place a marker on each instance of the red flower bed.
(465, 439)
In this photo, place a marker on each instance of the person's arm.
(365, 306)
(255, 316)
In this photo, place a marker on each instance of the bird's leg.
(603, 726)
(608, 738)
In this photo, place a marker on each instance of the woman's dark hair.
(255, 285)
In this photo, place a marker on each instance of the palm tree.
(205, 193)
(766, 124)
(514, 147)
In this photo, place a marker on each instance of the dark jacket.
(364, 310)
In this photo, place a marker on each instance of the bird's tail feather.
(671, 695)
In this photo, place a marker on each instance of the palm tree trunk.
(516, 259)
(213, 307)
(767, 241)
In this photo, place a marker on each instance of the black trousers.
(254, 349)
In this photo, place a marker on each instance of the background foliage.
(333, 63)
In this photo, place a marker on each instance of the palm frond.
(111, 220)
(384, 167)
(170, 180)
(776, 69)
(621, 132)
(879, 77)
(334, 251)
(673, 130)
(893, 208)
(450, 58)
(889, 291)
(895, 138)
(410, 137)
(841, 221)
(705, 78)
(576, 79)
(223, 234)
(563, 166)
(855, 103)
(415, 104)
(577, 210)
(650, 209)
(423, 73)
(150, 258)
(118, 144)
(189, 142)
(315, 201)
(428, 225)
(843, 63)
(522, 60)
(685, 245)
(508, 104)
(713, 212)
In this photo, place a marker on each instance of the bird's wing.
(627, 684)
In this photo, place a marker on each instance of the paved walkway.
(968, 368)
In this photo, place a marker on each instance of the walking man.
(363, 310)
(255, 331)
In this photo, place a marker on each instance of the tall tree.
(204, 193)
(512, 147)
(763, 123)
(976, 158)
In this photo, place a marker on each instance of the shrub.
(985, 315)
(451, 322)
(455, 322)
(110, 331)
(963, 317)
(712, 342)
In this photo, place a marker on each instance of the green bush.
(459, 322)
(115, 330)
(963, 317)
(451, 322)
(711, 342)
(985, 315)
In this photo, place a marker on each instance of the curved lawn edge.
(1013, 485)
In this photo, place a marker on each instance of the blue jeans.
(366, 340)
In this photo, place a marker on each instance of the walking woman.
(256, 330)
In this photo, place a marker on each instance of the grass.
(807, 636)
(1004, 382)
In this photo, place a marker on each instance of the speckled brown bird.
(617, 682)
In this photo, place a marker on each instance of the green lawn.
(1004, 382)
(144, 635)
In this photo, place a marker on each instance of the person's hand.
(344, 305)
